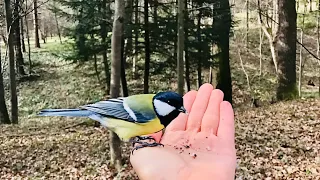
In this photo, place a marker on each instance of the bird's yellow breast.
(126, 130)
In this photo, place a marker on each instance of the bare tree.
(247, 24)
(136, 40)
(104, 33)
(286, 50)
(4, 116)
(17, 41)
(22, 34)
(147, 47)
(186, 48)
(224, 75)
(301, 55)
(12, 72)
(117, 35)
(28, 37)
(57, 24)
(36, 24)
(199, 62)
(269, 35)
(318, 39)
(180, 43)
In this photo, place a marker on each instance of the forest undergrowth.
(277, 141)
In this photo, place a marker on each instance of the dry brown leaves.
(277, 142)
(78, 153)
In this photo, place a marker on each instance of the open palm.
(199, 145)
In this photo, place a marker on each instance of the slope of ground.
(281, 141)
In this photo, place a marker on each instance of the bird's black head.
(168, 106)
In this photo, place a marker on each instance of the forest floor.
(278, 141)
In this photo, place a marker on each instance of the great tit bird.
(130, 117)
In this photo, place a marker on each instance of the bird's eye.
(168, 101)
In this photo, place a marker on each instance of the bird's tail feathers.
(66, 112)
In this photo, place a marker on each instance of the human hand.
(199, 145)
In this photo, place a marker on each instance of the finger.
(226, 125)
(211, 118)
(199, 107)
(179, 124)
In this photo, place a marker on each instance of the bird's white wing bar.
(130, 111)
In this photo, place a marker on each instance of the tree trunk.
(103, 33)
(136, 40)
(318, 40)
(36, 24)
(301, 57)
(224, 74)
(22, 34)
(269, 35)
(286, 50)
(117, 35)
(17, 42)
(12, 72)
(275, 16)
(186, 49)
(124, 85)
(4, 116)
(247, 25)
(180, 43)
(199, 64)
(260, 50)
(147, 48)
(28, 38)
(57, 24)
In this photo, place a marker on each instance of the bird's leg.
(145, 144)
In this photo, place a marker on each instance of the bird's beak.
(183, 110)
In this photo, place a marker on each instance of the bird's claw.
(145, 144)
(145, 138)
(142, 144)
(139, 139)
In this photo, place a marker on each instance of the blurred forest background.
(264, 55)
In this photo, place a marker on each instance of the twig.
(244, 71)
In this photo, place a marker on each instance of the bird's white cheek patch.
(163, 108)
(129, 110)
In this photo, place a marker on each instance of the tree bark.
(269, 35)
(103, 33)
(318, 40)
(136, 40)
(17, 42)
(147, 48)
(57, 23)
(286, 50)
(124, 85)
(4, 116)
(36, 24)
(186, 48)
(247, 25)
(117, 35)
(28, 38)
(199, 63)
(180, 48)
(224, 74)
(301, 58)
(12, 72)
(22, 34)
